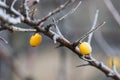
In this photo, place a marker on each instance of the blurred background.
(46, 62)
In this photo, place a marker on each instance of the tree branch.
(12, 10)
(18, 29)
(102, 67)
(63, 41)
(39, 21)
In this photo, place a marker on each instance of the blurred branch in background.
(104, 45)
(62, 73)
(7, 66)
(113, 10)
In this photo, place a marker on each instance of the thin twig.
(15, 11)
(114, 66)
(70, 12)
(87, 34)
(54, 12)
(26, 10)
(93, 26)
(66, 15)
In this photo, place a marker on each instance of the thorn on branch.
(58, 33)
(55, 37)
(114, 66)
(48, 27)
(110, 74)
(100, 64)
(60, 45)
(56, 28)
(87, 58)
(82, 65)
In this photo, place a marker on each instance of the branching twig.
(87, 34)
(38, 22)
(6, 17)
(114, 66)
(57, 29)
(63, 17)
(93, 26)
(54, 12)
(58, 33)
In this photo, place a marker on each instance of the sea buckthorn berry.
(35, 40)
(85, 48)
(116, 61)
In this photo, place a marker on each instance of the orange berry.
(85, 48)
(35, 40)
